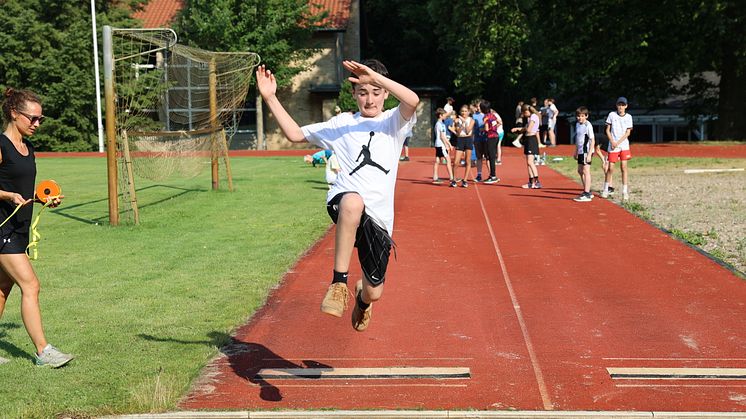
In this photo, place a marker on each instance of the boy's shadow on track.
(9, 348)
(246, 359)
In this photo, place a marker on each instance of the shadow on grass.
(9, 348)
(247, 359)
(66, 211)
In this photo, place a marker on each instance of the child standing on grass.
(584, 141)
(442, 146)
(618, 129)
(530, 145)
(361, 202)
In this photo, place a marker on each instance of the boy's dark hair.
(484, 106)
(15, 100)
(440, 111)
(581, 111)
(374, 65)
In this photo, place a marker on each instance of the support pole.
(111, 133)
(97, 78)
(214, 123)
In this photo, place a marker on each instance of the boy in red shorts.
(618, 129)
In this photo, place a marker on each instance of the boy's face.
(370, 99)
(582, 117)
(621, 107)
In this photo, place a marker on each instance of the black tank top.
(17, 174)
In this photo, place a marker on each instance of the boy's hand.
(265, 82)
(365, 75)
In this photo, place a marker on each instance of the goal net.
(175, 110)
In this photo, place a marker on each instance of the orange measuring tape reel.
(47, 189)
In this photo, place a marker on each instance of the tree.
(465, 44)
(278, 30)
(580, 52)
(46, 46)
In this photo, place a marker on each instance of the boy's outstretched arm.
(364, 75)
(267, 85)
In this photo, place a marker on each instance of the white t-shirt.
(552, 112)
(368, 163)
(580, 131)
(619, 125)
(500, 120)
(440, 131)
(448, 108)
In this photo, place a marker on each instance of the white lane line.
(519, 314)
(677, 373)
(681, 385)
(693, 171)
(361, 373)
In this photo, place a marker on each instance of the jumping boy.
(442, 146)
(361, 202)
(584, 141)
(618, 129)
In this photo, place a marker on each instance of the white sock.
(624, 188)
(606, 186)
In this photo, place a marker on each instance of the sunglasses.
(32, 118)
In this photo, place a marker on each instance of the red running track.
(535, 294)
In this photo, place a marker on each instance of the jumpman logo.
(365, 154)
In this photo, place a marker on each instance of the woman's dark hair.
(14, 99)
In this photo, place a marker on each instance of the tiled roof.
(160, 13)
(339, 13)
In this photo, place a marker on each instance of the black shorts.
(581, 160)
(406, 141)
(481, 149)
(464, 143)
(14, 243)
(372, 241)
(439, 152)
(531, 145)
(543, 128)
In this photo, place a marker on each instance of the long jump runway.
(500, 298)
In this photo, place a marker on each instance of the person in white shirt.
(584, 141)
(361, 201)
(552, 113)
(618, 130)
(442, 145)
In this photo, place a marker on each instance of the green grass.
(145, 307)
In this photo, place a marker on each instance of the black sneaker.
(491, 180)
(453, 184)
(478, 179)
(464, 184)
(611, 190)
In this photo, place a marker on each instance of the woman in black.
(22, 114)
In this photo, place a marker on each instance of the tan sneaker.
(335, 300)
(360, 318)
